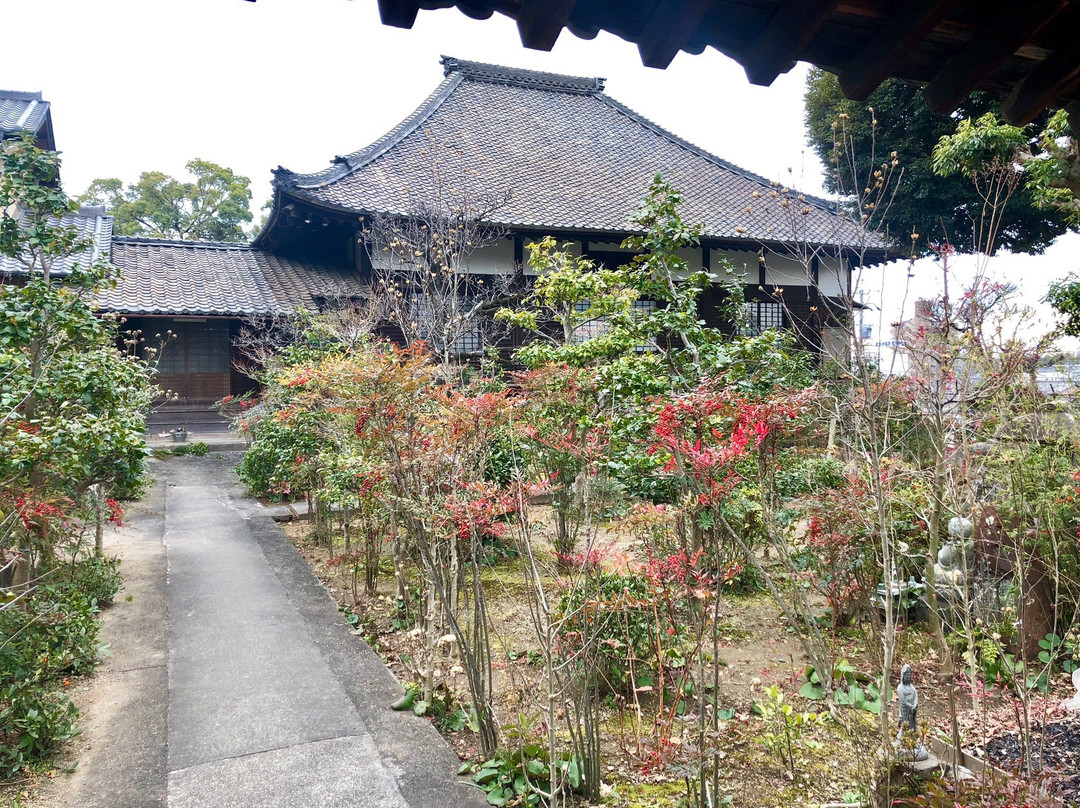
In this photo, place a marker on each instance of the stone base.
(924, 768)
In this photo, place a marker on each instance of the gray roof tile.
(203, 278)
(572, 158)
(91, 222)
(22, 111)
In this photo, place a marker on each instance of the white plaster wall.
(786, 270)
(833, 277)
(494, 259)
(744, 263)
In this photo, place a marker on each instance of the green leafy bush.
(53, 635)
(619, 618)
(809, 475)
(522, 776)
(34, 721)
(98, 579)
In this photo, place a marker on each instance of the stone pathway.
(268, 699)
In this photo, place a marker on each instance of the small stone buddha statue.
(909, 716)
(949, 570)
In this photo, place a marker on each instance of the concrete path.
(268, 699)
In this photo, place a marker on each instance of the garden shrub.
(839, 565)
(34, 721)
(53, 636)
(273, 464)
(97, 578)
(807, 475)
(628, 621)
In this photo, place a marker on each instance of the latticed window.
(471, 339)
(761, 316)
(600, 326)
(591, 329)
(198, 347)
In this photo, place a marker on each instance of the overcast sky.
(149, 84)
(139, 85)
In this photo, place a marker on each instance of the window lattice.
(471, 339)
(763, 315)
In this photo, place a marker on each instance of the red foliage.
(40, 517)
(116, 511)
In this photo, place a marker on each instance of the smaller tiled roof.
(213, 279)
(90, 222)
(22, 112)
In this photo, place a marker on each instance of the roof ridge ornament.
(523, 77)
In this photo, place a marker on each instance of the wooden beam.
(782, 39)
(1006, 33)
(1044, 86)
(899, 33)
(541, 21)
(398, 13)
(667, 29)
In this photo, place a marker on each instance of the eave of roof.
(1027, 54)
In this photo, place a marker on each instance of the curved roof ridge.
(523, 77)
(176, 242)
(343, 166)
(824, 204)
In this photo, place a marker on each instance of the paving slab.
(304, 775)
(244, 676)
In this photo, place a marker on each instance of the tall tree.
(938, 208)
(213, 207)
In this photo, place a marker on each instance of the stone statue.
(949, 571)
(909, 716)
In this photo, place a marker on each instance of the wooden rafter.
(1052, 79)
(899, 32)
(954, 46)
(667, 29)
(789, 30)
(541, 21)
(398, 13)
(1006, 32)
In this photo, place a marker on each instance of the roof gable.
(26, 112)
(571, 157)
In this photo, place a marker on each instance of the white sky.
(139, 85)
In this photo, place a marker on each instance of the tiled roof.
(570, 156)
(91, 222)
(21, 111)
(203, 278)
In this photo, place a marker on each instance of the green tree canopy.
(937, 207)
(214, 207)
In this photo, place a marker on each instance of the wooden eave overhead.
(1027, 52)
